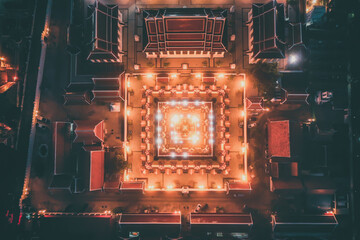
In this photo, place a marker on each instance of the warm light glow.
(243, 178)
(293, 58)
(128, 83)
(15, 78)
(201, 187)
(242, 113)
(174, 75)
(221, 75)
(128, 149)
(242, 83)
(169, 186)
(149, 75)
(128, 112)
(151, 187)
(243, 149)
(177, 212)
(218, 186)
(198, 75)
(329, 213)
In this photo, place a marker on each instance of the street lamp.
(293, 58)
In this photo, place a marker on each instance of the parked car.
(198, 208)
(42, 119)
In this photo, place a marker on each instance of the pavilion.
(183, 32)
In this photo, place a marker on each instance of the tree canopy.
(264, 77)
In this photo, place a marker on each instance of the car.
(41, 126)
(198, 208)
(42, 119)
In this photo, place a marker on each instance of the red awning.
(96, 170)
(279, 138)
(132, 186)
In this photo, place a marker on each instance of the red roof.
(132, 186)
(89, 132)
(159, 218)
(239, 186)
(279, 138)
(287, 184)
(96, 170)
(210, 218)
(255, 103)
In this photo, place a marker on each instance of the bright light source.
(128, 83)
(158, 116)
(174, 75)
(242, 83)
(211, 116)
(221, 75)
(173, 103)
(242, 113)
(185, 102)
(159, 141)
(293, 58)
(198, 75)
(314, 1)
(243, 149)
(211, 141)
(201, 187)
(15, 78)
(185, 154)
(151, 187)
(128, 112)
(128, 149)
(172, 155)
(169, 186)
(184, 66)
(218, 187)
(243, 177)
(197, 103)
(149, 75)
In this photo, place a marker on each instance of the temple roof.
(181, 29)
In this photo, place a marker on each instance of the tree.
(264, 77)
(116, 163)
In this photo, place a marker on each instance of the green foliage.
(264, 76)
(116, 163)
